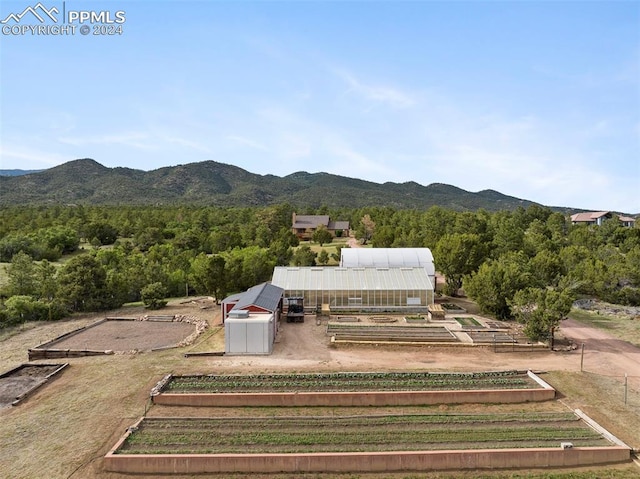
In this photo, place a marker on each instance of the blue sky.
(539, 100)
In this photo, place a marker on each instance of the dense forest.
(527, 264)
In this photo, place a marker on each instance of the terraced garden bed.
(242, 435)
(467, 322)
(388, 333)
(354, 381)
(453, 308)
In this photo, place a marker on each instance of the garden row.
(284, 435)
(384, 333)
(341, 381)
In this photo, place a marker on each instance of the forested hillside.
(514, 264)
(86, 182)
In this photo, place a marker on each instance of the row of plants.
(354, 381)
(352, 434)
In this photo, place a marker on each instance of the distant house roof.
(310, 221)
(588, 217)
(338, 225)
(597, 216)
(265, 296)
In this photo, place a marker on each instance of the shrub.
(153, 296)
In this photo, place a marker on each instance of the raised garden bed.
(19, 383)
(123, 335)
(451, 308)
(370, 443)
(259, 435)
(467, 322)
(355, 381)
(389, 333)
(351, 389)
(415, 319)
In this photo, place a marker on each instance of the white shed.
(389, 258)
(249, 333)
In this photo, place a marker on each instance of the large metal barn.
(357, 289)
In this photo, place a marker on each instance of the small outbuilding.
(251, 319)
(249, 333)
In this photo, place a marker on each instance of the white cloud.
(247, 142)
(28, 158)
(376, 94)
(136, 140)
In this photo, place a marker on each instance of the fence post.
(582, 358)
(625, 388)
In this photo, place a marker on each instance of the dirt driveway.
(604, 354)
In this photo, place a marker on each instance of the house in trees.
(303, 226)
(597, 217)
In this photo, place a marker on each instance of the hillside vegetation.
(88, 182)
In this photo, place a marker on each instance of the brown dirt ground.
(65, 429)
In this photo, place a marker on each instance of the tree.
(457, 255)
(541, 310)
(104, 233)
(383, 237)
(153, 296)
(209, 276)
(496, 282)
(323, 257)
(46, 278)
(22, 275)
(366, 228)
(83, 286)
(303, 256)
(322, 235)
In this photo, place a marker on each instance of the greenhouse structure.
(357, 289)
(389, 258)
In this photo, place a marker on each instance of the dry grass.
(66, 428)
(621, 327)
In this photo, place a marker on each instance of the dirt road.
(604, 354)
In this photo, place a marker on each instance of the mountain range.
(87, 182)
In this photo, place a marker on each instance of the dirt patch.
(127, 335)
(18, 383)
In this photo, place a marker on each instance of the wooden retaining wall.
(369, 398)
(365, 461)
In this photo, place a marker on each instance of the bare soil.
(66, 427)
(126, 335)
